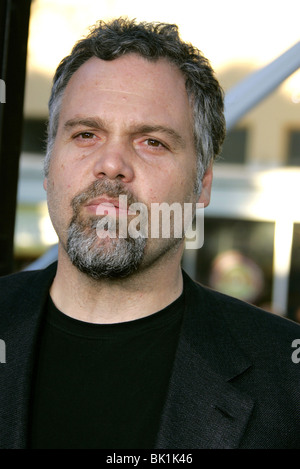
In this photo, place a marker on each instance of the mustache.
(102, 187)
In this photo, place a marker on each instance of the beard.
(102, 258)
(121, 258)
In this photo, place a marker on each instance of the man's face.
(125, 127)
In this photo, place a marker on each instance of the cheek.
(60, 178)
(58, 192)
(164, 185)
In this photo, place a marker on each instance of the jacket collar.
(203, 409)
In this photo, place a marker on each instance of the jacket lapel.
(203, 408)
(21, 325)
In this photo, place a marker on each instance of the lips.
(103, 201)
(108, 206)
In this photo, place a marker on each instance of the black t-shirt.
(102, 385)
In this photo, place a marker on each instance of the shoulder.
(25, 286)
(17, 279)
(11, 283)
(266, 338)
(239, 314)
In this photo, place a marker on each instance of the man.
(114, 346)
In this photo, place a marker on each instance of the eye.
(152, 142)
(85, 135)
(85, 138)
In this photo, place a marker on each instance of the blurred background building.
(252, 227)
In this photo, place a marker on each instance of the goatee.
(102, 258)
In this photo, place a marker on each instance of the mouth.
(109, 206)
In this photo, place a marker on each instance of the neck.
(110, 301)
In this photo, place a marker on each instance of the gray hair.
(108, 41)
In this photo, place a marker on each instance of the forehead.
(130, 70)
(132, 81)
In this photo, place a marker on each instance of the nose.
(114, 161)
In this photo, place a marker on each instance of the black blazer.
(233, 385)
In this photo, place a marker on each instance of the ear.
(206, 186)
(45, 184)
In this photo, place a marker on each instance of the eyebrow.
(91, 122)
(98, 123)
(177, 139)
